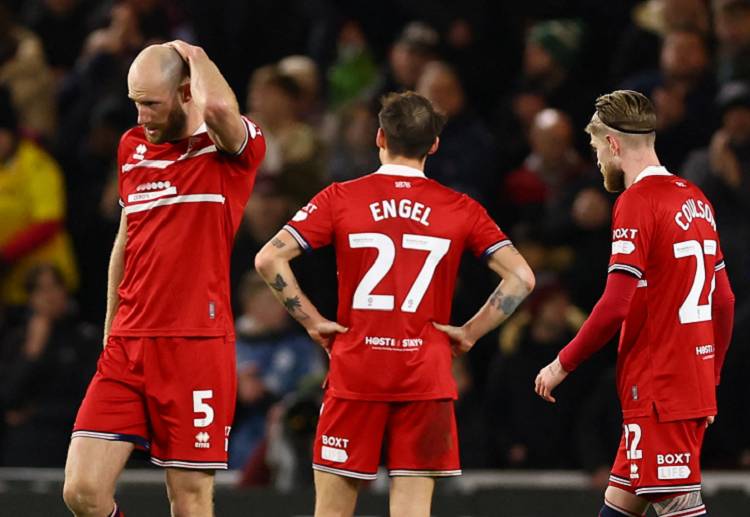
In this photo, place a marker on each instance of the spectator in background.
(468, 172)
(354, 73)
(61, 26)
(32, 211)
(46, 363)
(683, 90)
(551, 56)
(638, 48)
(272, 359)
(354, 152)
(305, 73)
(534, 191)
(415, 47)
(294, 156)
(732, 30)
(26, 75)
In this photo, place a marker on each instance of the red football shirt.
(184, 201)
(399, 238)
(664, 233)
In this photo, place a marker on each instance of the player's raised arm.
(272, 263)
(516, 284)
(214, 98)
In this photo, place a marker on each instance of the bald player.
(165, 381)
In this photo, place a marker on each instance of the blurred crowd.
(516, 80)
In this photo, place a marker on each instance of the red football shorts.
(419, 438)
(173, 396)
(658, 460)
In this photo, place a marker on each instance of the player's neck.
(194, 121)
(636, 162)
(414, 163)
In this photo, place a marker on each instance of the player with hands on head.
(166, 379)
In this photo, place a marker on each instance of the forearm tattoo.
(507, 303)
(278, 283)
(277, 243)
(294, 306)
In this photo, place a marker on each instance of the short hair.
(410, 124)
(624, 111)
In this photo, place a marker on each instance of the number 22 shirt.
(664, 233)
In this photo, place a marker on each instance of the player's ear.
(185, 93)
(380, 138)
(435, 146)
(614, 145)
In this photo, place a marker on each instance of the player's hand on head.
(183, 49)
(324, 332)
(548, 379)
(460, 341)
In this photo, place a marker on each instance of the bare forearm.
(208, 86)
(499, 306)
(280, 278)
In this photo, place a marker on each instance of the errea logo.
(201, 440)
(140, 152)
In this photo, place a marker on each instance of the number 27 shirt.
(399, 237)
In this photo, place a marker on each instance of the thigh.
(660, 459)
(96, 462)
(113, 407)
(349, 437)
(191, 388)
(422, 440)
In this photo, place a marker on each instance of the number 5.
(199, 406)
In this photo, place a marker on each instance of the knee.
(86, 498)
(190, 501)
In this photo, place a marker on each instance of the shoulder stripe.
(626, 269)
(720, 265)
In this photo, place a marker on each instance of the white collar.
(399, 170)
(652, 170)
(201, 129)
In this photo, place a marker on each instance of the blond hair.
(628, 113)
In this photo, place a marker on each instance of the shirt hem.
(170, 333)
(387, 397)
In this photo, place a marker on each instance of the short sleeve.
(312, 225)
(253, 147)
(485, 236)
(632, 224)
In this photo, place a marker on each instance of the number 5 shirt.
(664, 233)
(399, 237)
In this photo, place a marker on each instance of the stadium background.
(517, 81)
